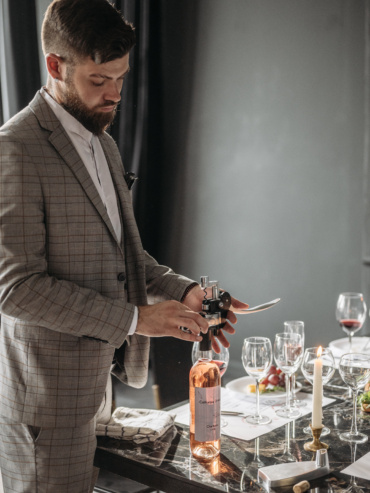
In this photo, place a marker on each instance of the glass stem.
(287, 385)
(292, 388)
(257, 399)
(257, 448)
(350, 341)
(354, 415)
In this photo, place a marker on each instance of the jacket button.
(121, 277)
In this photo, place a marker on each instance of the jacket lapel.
(61, 142)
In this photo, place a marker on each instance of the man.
(75, 282)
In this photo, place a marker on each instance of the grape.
(274, 379)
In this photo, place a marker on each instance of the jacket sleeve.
(163, 283)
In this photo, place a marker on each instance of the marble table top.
(236, 468)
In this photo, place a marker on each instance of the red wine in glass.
(351, 313)
(350, 326)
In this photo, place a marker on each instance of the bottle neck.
(205, 345)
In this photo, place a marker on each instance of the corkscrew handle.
(219, 304)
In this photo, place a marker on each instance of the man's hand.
(166, 318)
(194, 301)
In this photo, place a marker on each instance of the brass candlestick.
(315, 444)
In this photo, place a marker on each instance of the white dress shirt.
(92, 155)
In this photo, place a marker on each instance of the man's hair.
(78, 29)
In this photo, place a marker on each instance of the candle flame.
(319, 351)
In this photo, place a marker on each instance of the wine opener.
(215, 307)
(294, 472)
(218, 304)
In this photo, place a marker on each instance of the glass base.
(287, 457)
(288, 412)
(354, 438)
(257, 419)
(298, 403)
(325, 431)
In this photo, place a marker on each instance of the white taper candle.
(317, 391)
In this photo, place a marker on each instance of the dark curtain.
(19, 60)
(139, 112)
(139, 132)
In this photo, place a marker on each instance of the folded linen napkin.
(137, 425)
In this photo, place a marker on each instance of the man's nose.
(113, 93)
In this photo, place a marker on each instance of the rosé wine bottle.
(205, 402)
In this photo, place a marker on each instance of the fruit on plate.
(364, 401)
(274, 380)
(251, 388)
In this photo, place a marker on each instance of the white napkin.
(360, 468)
(137, 425)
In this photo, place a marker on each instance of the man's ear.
(54, 65)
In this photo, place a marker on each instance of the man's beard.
(91, 119)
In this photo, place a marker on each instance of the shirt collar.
(68, 121)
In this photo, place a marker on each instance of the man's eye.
(97, 84)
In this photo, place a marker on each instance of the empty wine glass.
(295, 327)
(328, 370)
(257, 359)
(221, 359)
(354, 368)
(288, 356)
(353, 486)
(351, 313)
(287, 455)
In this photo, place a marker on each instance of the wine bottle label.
(207, 413)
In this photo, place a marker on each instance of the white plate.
(341, 346)
(240, 385)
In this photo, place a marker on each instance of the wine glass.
(257, 359)
(353, 486)
(221, 359)
(288, 356)
(295, 327)
(328, 370)
(354, 368)
(287, 455)
(351, 313)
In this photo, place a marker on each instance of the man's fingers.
(228, 328)
(232, 317)
(239, 305)
(182, 334)
(215, 346)
(165, 319)
(222, 339)
(193, 325)
(196, 321)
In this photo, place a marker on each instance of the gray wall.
(264, 121)
(41, 6)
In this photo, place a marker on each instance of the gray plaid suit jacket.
(64, 306)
